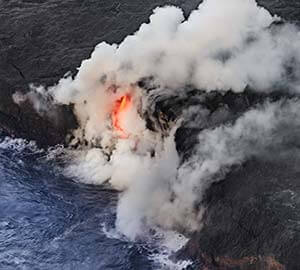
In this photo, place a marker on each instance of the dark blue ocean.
(48, 221)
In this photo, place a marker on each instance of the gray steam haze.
(221, 46)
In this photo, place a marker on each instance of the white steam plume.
(170, 195)
(158, 190)
(223, 45)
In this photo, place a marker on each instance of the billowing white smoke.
(223, 45)
(167, 194)
(160, 191)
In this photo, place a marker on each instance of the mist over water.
(223, 45)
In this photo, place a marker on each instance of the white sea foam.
(18, 144)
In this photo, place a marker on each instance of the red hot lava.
(121, 106)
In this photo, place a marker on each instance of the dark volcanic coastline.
(252, 217)
(40, 41)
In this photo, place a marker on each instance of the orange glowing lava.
(121, 106)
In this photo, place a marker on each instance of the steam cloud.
(223, 45)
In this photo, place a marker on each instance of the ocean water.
(48, 221)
